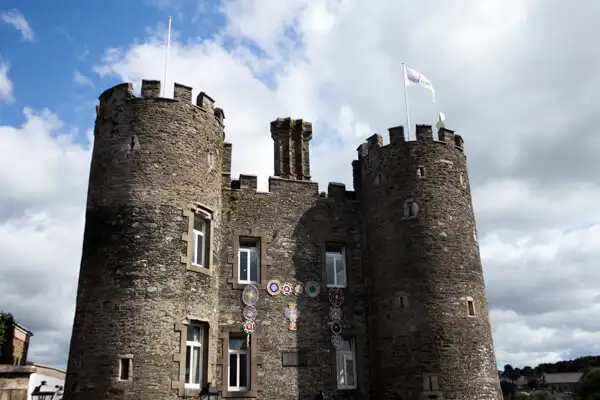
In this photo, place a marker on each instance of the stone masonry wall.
(423, 272)
(294, 223)
(153, 160)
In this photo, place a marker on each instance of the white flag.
(412, 77)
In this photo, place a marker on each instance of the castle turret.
(430, 331)
(147, 283)
(291, 142)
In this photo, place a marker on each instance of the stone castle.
(192, 282)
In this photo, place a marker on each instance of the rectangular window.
(239, 364)
(335, 263)
(199, 242)
(124, 366)
(346, 365)
(430, 383)
(194, 356)
(249, 261)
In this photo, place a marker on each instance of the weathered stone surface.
(157, 161)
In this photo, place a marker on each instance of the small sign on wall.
(294, 358)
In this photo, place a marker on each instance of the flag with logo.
(412, 77)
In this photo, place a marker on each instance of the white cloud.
(18, 21)
(6, 86)
(43, 175)
(81, 79)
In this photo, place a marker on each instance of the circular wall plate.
(336, 297)
(337, 341)
(274, 287)
(299, 289)
(335, 313)
(249, 313)
(312, 289)
(248, 327)
(287, 289)
(336, 328)
(250, 295)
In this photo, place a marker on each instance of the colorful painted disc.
(249, 313)
(287, 289)
(312, 288)
(250, 295)
(298, 289)
(249, 327)
(274, 287)
(337, 341)
(335, 313)
(336, 328)
(336, 297)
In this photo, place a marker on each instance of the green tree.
(6, 322)
(590, 387)
(509, 389)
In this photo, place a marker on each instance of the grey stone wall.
(423, 271)
(295, 223)
(153, 159)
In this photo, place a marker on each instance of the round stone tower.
(152, 223)
(431, 335)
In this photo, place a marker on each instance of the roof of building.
(566, 377)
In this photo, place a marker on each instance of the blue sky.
(66, 35)
(496, 71)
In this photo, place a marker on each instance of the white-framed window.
(345, 363)
(249, 261)
(239, 364)
(194, 356)
(335, 264)
(199, 242)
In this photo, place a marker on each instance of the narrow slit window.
(410, 208)
(421, 172)
(124, 369)
(471, 307)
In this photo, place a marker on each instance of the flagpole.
(406, 103)
(167, 59)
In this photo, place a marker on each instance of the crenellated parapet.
(121, 95)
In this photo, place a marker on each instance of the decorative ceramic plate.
(312, 289)
(249, 327)
(336, 328)
(336, 297)
(287, 289)
(335, 313)
(274, 287)
(250, 295)
(249, 313)
(337, 341)
(299, 289)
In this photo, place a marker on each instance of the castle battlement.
(424, 137)
(122, 94)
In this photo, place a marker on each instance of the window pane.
(349, 371)
(194, 334)
(330, 268)
(243, 265)
(243, 370)
(340, 273)
(198, 223)
(254, 266)
(197, 359)
(236, 343)
(233, 370)
(199, 249)
(339, 362)
(188, 363)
